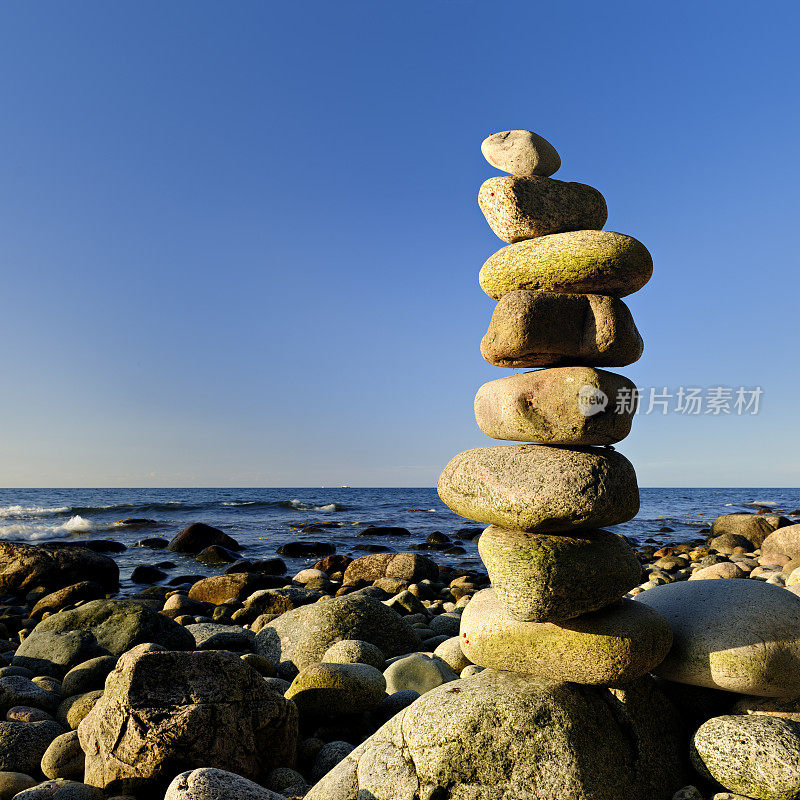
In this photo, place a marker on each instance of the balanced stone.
(599, 262)
(537, 488)
(608, 647)
(521, 153)
(548, 329)
(522, 208)
(541, 577)
(562, 405)
(738, 635)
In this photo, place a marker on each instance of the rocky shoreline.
(253, 684)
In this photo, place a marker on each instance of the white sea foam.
(35, 531)
(20, 512)
(763, 503)
(301, 506)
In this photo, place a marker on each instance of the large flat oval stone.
(738, 635)
(597, 262)
(610, 647)
(549, 329)
(540, 577)
(537, 488)
(561, 405)
(521, 208)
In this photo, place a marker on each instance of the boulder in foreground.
(216, 784)
(166, 711)
(739, 635)
(500, 734)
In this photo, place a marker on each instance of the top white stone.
(521, 153)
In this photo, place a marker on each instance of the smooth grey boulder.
(500, 734)
(299, 638)
(532, 487)
(739, 635)
(521, 153)
(98, 628)
(754, 755)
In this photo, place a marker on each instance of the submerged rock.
(198, 536)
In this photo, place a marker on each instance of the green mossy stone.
(546, 578)
(595, 262)
(612, 646)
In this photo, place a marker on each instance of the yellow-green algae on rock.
(595, 262)
(612, 646)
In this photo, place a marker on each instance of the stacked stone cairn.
(556, 609)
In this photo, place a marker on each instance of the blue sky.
(240, 241)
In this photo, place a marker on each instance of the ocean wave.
(297, 505)
(762, 504)
(19, 512)
(32, 531)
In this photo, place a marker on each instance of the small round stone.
(521, 153)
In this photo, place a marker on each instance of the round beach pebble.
(450, 652)
(417, 672)
(552, 329)
(592, 261)
(612, 646)
(216, 784)
(537, 488)
(545, 578)
(727, 569)
(739, 635)
(521, 153)
(64, 758)
(11, 783)
(755, 756)
(353, 651)
(560, 405)
(337, 688)
(522, 208)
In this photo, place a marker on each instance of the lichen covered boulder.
(167, 711)
(98, 628)
(541, 577)
(500, 734)
(612, 646)
(597, 262)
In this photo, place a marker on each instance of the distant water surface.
(263, 519)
